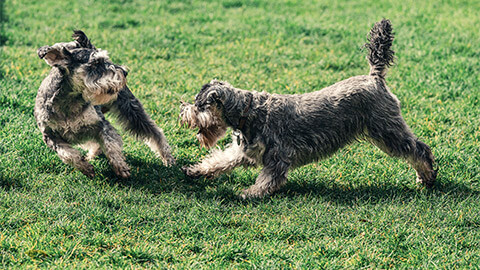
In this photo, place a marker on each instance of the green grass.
(357, 209)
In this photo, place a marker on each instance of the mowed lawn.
(357, 209)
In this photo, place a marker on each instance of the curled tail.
(380, 56)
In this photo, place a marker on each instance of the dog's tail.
(380, 56)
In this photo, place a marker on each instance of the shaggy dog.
(282, 132)
(83, 84)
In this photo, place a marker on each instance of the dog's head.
(90, 70)
(207, 113)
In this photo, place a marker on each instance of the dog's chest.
(75, 123)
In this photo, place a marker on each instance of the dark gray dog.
(282, 132)
(82, 85)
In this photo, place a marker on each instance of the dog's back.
(330, 118)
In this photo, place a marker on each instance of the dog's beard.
(102, 90)
(210, 125)
(208, 137)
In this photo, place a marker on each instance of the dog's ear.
(55, 56)
(214, 97)
(82, 39)
(208, 95)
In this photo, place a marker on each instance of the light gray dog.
(83, 84)
(282, 132)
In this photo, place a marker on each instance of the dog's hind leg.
(68, 154)
(423, 161)
(134, 119)
(393, 136)
(218, 162)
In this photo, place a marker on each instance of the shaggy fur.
(83, 84)
(281, 132)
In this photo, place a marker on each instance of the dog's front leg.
(218, 162)
(111, 144)
(271, 178)
(68, 154)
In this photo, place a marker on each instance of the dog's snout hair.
(100, 89)
(188, 115)
(211, 126)
(98, 79)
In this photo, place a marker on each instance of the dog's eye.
(203, 107)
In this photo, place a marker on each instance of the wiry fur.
(82, 85)
(380, 55)
(281, 132)
(99, 87)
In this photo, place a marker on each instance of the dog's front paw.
(169, 161)
(191, 172)
(253, 193)
(122, 171)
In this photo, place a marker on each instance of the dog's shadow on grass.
(376, 193)
(158, 179)
(152, 176)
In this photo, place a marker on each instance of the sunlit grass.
(356, 209)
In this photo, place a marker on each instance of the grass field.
(357, 209)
